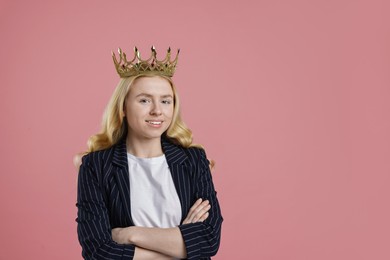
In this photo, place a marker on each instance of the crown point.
(137, 54)
(153, 50)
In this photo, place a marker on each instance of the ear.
(122, 113)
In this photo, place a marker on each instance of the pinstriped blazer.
(103, 201)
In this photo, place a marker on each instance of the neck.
(144, 148)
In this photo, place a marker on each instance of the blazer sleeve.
(93, 229)
(202, 239)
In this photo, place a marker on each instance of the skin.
(163, 242)
(149, 111)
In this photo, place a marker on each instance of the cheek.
(135, 111)
(170, 112)
(129, 120)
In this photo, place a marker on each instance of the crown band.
(137, 66)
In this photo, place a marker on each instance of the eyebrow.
(149, 95)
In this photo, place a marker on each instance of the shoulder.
(177, 150)
(194, 156)
(97, 165)
(197, 157)
(196, 152)
(98, 157)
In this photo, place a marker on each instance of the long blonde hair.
(114, 125)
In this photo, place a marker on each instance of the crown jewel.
(136, 66)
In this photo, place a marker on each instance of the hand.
(198, 212)
(121, 235)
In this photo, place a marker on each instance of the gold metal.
(136, 66)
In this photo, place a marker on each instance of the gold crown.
(136, 66)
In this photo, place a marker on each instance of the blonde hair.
(114, 125)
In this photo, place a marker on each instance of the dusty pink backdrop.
(291, 98)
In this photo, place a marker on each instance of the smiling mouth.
(154, 122)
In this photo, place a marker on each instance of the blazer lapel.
(122, 178)
(176, 158)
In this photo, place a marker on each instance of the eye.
(167, 101)
(144, 100)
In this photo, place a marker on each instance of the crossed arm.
(160, 243)
(199, 232)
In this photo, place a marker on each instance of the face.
(149, 107)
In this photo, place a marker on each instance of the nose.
(156, 109)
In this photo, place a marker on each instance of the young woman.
(144, 190)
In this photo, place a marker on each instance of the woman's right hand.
(198, 212)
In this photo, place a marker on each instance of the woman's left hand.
(198, 212)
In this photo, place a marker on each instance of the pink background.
(291, 98)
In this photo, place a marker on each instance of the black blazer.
(103, 201)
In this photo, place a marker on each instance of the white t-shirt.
(153, 197)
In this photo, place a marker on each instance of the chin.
(153, 136)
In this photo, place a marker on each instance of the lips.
(154, 122)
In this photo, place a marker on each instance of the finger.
(196, 216)
(194, 211)
(189, 215)
(200, 213)
(196, 204)
(204, 217)
(202, 205)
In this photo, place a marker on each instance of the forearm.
(167, 241)
(145, 254)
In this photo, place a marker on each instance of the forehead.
(155, 86)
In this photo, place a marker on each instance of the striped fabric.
(103, 201)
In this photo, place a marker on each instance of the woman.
(144, 190)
